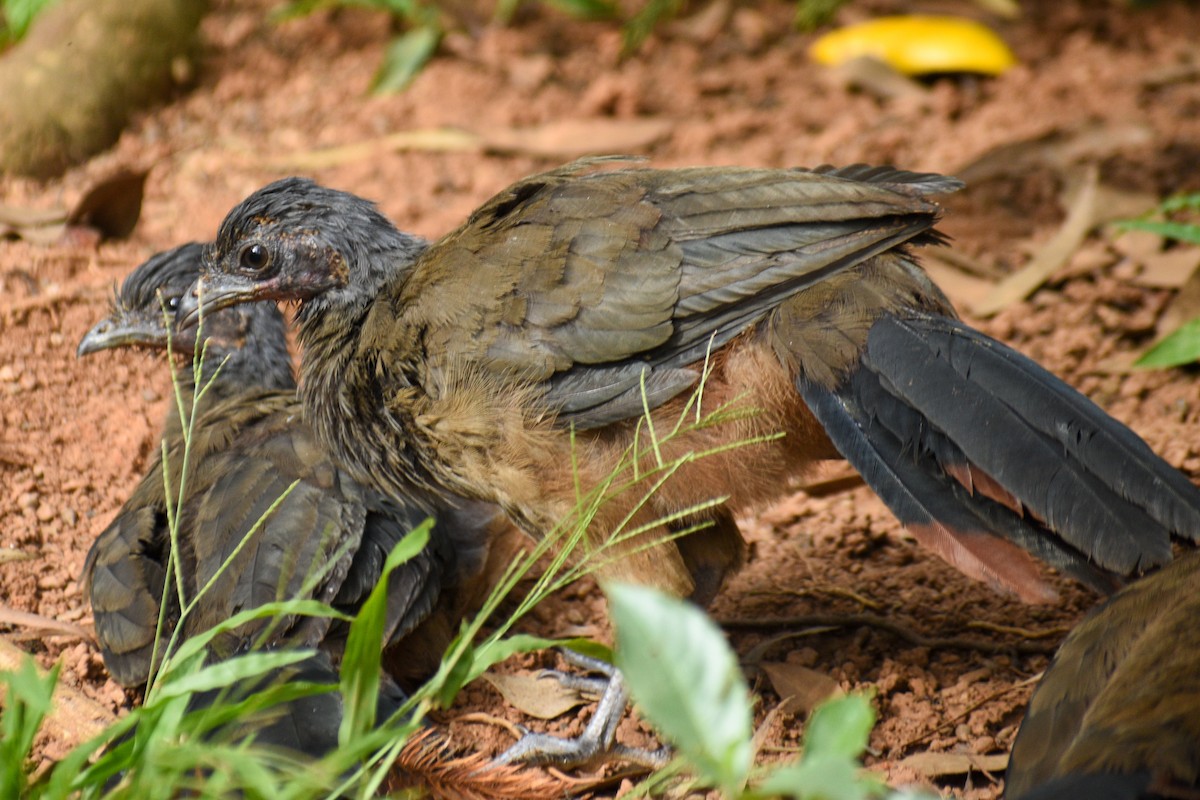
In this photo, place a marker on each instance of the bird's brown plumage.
(1122, 696)
(579, 298)
(327, 539)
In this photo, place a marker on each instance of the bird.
(1117, 713)
(327, 538)
(520, 358)
(598, 326)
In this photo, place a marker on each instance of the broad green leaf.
(364, 643)
(839, 727)
(683, 676)
(18, 15)
(405, 58)
(1178, 348)
(825, 777)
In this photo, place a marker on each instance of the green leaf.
(585, 9)
(811, 14)
(839, 727)
(1180, 347)
(225, 673)
(405, 58)
(643, 23)
(18, 16)
(683, 676)
(825, 777)
(1182, 231)
(26, 703)
(364, 643)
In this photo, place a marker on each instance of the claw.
(597, 744)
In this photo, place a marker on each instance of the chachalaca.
(522, 357)
(327, 539)
(578, 298)
(1117, 713)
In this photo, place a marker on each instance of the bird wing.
(124, 576)
(599, 281)
(281, 541)
(1119, 694)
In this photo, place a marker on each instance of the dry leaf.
(935, 765)
(437, 140)
(572, 138)
(801, 688)
(9, 555)
(40, 226)
(111, 206)
(541, 697)
(965, 291)
(1185, 306)
(38, 625)
(1170, 269)
(876, 78)
(1081, 218)
(1056, 150)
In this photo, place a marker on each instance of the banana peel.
(918, 45)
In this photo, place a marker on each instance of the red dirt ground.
(1098, 84)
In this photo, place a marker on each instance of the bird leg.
(597, 744)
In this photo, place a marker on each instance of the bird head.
(145, 313)
(150, 295)
(294, 240)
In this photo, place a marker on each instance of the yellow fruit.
(918, 45)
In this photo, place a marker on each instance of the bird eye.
(255, 258)
(172, 303)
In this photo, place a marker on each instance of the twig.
(895, 628)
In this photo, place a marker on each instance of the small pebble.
(68, 516)
(149, 395)
(45, 512)
(28, 500)
(7, 374)
(54, 580)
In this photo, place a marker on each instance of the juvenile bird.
(1117, 714)
(327, 539)
(514, 359)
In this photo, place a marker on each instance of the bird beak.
(216, 292)
(109, 333)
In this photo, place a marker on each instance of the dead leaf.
(1170, 269)
(876, 78)
(8, 555)
(801, 688)
(39, 625)
(1055, 149)
(541, 697)
(1185, 306)
(112, 206)
(572, 138)
(40, 226)
(435, 140)
(965, 291)
(935, 765)
(1081, 218)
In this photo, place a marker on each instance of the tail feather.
(936, 510)
(1088, 477)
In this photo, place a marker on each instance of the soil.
(1100, 84)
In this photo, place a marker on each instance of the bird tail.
(986, 458)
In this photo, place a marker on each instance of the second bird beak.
(216, 292)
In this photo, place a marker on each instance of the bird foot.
(597, 744)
